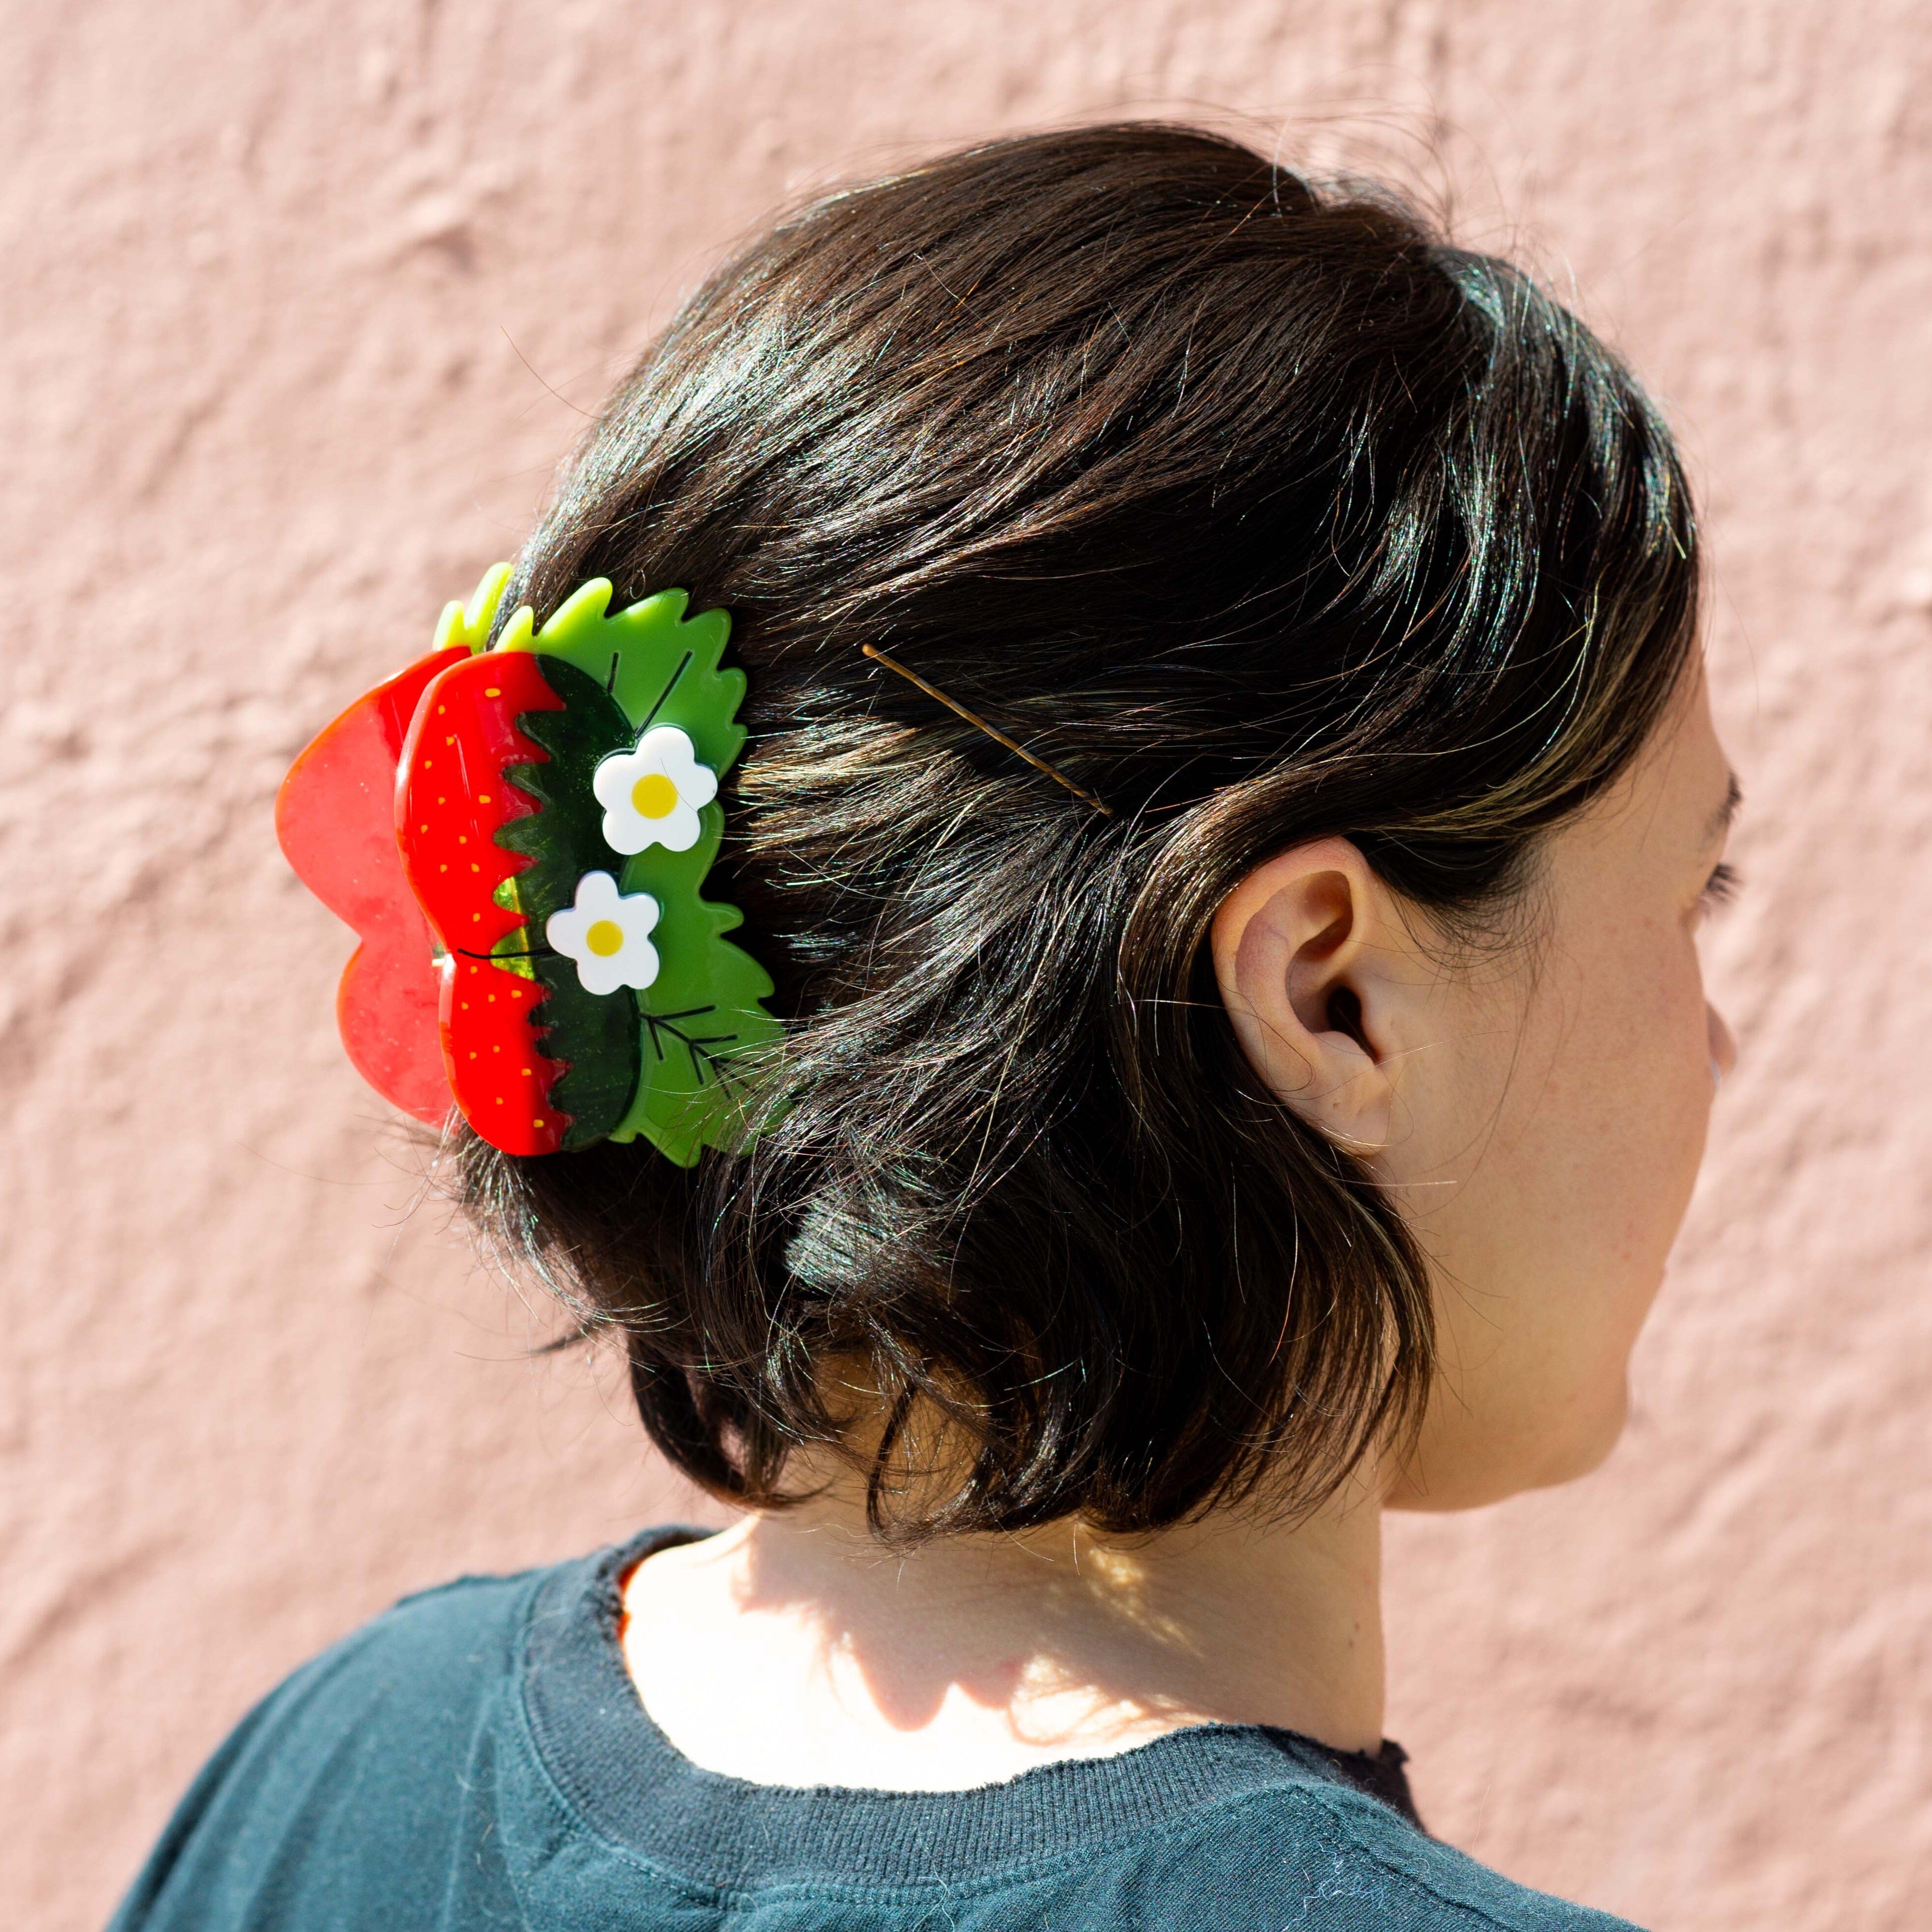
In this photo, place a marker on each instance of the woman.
(1229, 802)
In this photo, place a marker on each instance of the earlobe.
(1300, 948)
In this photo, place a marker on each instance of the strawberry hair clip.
(519, 834)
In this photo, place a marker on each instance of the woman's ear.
(1312, 959)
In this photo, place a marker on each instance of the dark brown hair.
(1261, 513)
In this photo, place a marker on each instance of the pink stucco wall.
(301, 303)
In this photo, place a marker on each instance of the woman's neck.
(791, 1650)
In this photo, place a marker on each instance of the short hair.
(1258, 511)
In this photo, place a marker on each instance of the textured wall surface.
(301, 303)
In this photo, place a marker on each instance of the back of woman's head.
(1259, 513)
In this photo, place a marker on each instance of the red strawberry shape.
(450, 799)
(335, 817)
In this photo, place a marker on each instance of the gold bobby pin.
(998, 737)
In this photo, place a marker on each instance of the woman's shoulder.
(427, 1664)
(1314, 1852)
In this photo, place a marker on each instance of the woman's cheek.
(1667, 1127)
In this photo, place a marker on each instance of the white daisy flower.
(650, 796)
(608, 934)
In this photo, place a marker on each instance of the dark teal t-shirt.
(476, 1758)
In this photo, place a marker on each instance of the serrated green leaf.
(702, 1021)
(470, 628)
(661, 667)
(698, 1057)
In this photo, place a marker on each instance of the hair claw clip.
(520, 835)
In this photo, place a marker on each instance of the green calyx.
(668, 1061)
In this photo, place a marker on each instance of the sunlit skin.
(1538, 1111)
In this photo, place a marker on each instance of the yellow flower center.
(654, 796)
(605, 937)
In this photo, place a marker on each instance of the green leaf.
(704, 1029)
(471, 628)
(661, 667)
(684, 1049)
